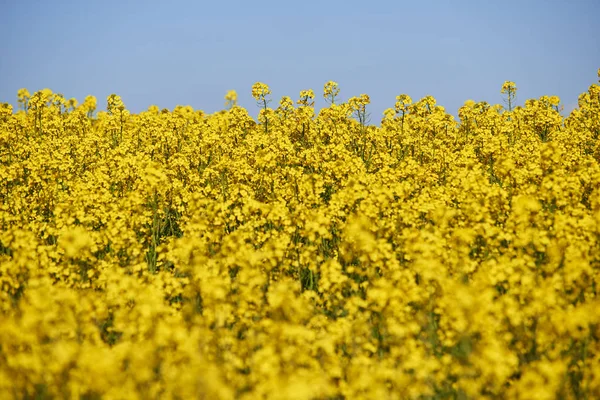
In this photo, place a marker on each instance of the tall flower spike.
(510, 90)
(231, 99)
(330, 91)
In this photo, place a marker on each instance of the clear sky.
(192, 52)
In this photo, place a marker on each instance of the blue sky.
(193, 52)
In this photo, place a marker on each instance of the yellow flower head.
(364, 99)
(114, 104)
(359, 103)
(231, 98)
(72, 102)
(509, 88)
(330, 91)
(90, 102)
(260, 91)
(306, 97)
(554, 100)
(5, 110)
(23, 95)
(286, 102)
(46, 94)
(402, 102)
(388, 114)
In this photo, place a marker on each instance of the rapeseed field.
(304, 254)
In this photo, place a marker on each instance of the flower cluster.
(260, 91)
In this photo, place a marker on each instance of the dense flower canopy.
(175, 254)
